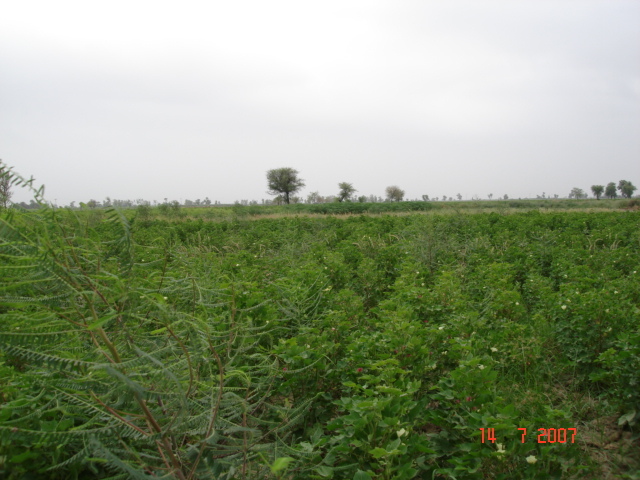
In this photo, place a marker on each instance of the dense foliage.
(356, 348)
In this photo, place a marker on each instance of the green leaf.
(361, 475)
(391, 390)
(21, 457)
(627, 418)
(324, 471)
(100, 322)
(280, 464)
(378, 452)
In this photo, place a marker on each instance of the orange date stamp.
(548, 435)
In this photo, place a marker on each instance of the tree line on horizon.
(285, 183)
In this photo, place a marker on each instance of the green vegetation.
(401, 208)
(284, 182)
(626, 188)
(5, 185)
(597, 191)
(346, 191)
(394, 193)
(363, 347)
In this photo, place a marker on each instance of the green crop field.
(478, 345)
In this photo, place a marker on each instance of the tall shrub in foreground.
(113, 366)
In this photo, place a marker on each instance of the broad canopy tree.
(346, 191)
(610, 190)
(597, 191)
(577, 193)
(626, 188)
(284, 181)
(395, 193)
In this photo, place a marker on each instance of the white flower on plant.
(607, 310)
(501, 448)
(481, 367)
(517, 303)
(441, 327)
(401, 432)
(615, 292)
(564, 307)
(494, 349)
(166, 298)
(531, 459)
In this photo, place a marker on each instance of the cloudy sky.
(184, 100)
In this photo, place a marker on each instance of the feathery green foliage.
(296, 348)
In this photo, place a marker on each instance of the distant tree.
(163, 208)
(610, 190)
(425, 198)
(206, 201)
(506, 197)
(577, 193)
(93, 204)
(459, 196)
(5, 185)
(362, 199)
(597, 191)
(284, 182)
(490, 196)
(626, 188)
(143, 211)
(395, 193)
(313, 197)
(346, 191)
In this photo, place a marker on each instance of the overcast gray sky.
(183, 100)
